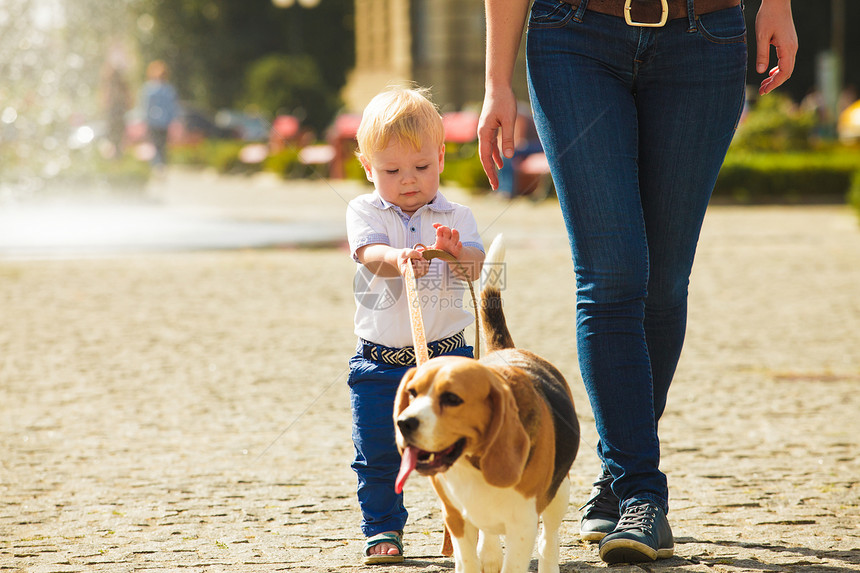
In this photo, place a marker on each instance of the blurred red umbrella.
(345, 126)
(285, 127)
(460, 126)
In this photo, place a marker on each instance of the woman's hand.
(774, 26)
(498, 115)
(505, 22)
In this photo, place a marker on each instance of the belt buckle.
(663, 17)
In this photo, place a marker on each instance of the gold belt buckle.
(663, 18)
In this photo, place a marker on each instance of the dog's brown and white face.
(453, 406)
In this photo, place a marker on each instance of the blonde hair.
(405, 114)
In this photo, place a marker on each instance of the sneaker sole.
(592, 536)
(630, 551)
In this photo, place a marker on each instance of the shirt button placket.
(413, 226)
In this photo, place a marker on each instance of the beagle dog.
(497, 437)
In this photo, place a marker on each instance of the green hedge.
(463, 167)
(285, 163)
(854, 194)
(795, 176)
(747, 176)
(221, 155)
(775, 123)
(90, 172)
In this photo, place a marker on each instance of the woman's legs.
(635, 123)
(689, 99)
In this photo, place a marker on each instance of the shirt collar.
(439, 203)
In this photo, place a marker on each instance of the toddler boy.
(401, 147)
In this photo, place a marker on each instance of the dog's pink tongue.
(407, 464)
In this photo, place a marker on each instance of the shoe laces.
(637, 517)
(602, 500)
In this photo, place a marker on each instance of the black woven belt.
(406, 356)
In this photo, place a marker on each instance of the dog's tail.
(493, 322)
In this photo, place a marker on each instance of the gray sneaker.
(600, 512)
(642, 534)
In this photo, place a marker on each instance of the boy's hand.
(448, 240)
(413, 257)
(470, 259)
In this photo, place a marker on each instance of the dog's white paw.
(490, 553)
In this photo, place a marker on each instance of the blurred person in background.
(116, 100)
(159, 103)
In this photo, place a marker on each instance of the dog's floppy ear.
(401, 399)
(506, 442)
(401, 402)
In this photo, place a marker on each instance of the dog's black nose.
(407, 425)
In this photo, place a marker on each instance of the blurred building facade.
(439, 44)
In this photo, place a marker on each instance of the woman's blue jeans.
(635, 123)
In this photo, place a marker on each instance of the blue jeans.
(373, 386)
(635, 123)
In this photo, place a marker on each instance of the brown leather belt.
(652, 13)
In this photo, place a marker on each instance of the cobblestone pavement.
(189, 411)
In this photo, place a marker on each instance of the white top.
(382, 313)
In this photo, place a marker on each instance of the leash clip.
(664, 17)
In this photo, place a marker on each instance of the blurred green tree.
(292, 85)
(211, 44)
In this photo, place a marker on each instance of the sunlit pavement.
(190, 411)
(187, 211)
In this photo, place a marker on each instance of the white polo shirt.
(382, 313)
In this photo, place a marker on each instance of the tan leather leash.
(414, 301)
(419, 335)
